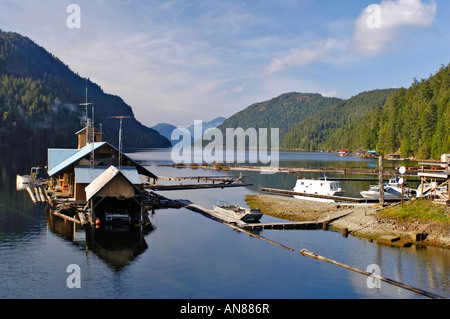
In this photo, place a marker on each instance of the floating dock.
(335, 198)
(257, 226)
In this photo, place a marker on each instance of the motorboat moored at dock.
(392, 191)
(238, 212)
(317, 187)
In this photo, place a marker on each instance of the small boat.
(431, 190)
(29, 179)
(392, 191)
(317, 187)
(238, 212)
(116, 219)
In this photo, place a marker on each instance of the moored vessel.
(238, 212)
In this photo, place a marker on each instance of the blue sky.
(184, 60)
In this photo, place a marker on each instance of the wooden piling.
(307, 253)
(345, 232)
(41, 195)
(30, 192)
(381, 181)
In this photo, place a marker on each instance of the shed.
(111, 183)
(85, 175)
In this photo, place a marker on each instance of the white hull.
(387, 195)
(25, 179)
(392, 191)
(239, 213)
(317, 187)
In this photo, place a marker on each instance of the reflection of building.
(117, 248)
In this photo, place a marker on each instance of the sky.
(177, 61)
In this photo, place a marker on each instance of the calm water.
(190, 256)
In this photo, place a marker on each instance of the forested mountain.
(281, 112)
(40, 97)
(414, 121)
(328, 129)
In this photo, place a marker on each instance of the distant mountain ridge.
(166, 129)
(40, 97)
(281, 112)
(322, 130)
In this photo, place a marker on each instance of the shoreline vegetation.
(418, 223)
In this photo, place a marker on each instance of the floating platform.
(193, 186)
(257, 226)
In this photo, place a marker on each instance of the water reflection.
(117, 247)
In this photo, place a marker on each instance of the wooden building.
(70, 170)
(83, 136)
(92, 176)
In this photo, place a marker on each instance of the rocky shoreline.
(363, 221)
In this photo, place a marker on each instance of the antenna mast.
(90, 134)
(121, 117)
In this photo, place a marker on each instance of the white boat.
(317, 187)
(238, 212)
(432, 190)
(392, 191)
(29, 179)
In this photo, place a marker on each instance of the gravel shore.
(363, 220)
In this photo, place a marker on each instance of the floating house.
(99, 176)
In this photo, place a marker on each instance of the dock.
(257, 226)
(295, 225)
(193, 186)
(292, 170)
(335, 198)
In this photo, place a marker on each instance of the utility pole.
(381, 181)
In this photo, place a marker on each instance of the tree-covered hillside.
(40, 97)
(326, 129)
(281, 112)
(414, 122)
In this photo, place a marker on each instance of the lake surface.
(189, 256)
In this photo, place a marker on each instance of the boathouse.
(117, 193)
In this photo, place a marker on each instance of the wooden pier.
(291, 170)
(257, 226)
(295, 225)
(193, 186)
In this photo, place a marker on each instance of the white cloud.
(379, 26)
(302, 57)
